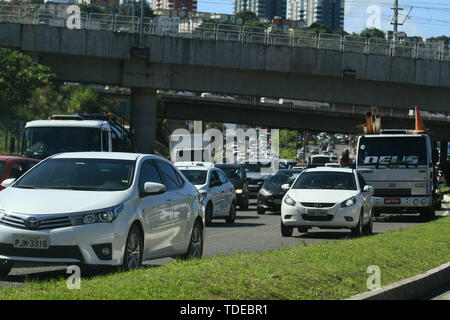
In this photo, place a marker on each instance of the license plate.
(317, 213)
(31, 242)
(392, 201)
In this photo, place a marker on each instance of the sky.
(428, 18)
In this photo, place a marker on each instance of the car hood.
(275, 189)
(321, 195)
(45, 201)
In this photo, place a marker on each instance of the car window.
(215, 180)
(326, 180)
(148, 173)
(179, 179)
(222, 177)
(196, 177)
(168, 174)
(17, 169)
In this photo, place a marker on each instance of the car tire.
(302, 229)
(244, 205)
(5, 267)
(134, 248)
(358, 230)
(232, 214)
(195, 248)
(260, 210)
(208, 213)
(368, 228)
(285, 230)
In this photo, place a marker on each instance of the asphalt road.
(250, 233)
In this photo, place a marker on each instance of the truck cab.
(400, 166)
(72, 133)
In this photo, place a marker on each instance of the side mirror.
(6, 183)
(286, 187)
(368, 188)
(152, 188)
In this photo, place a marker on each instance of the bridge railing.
(187, 28)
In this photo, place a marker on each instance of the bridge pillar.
(143, 119)
(444, 148)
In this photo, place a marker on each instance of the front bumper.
(336, 216)
(403, 202)
(272, 202)
(67, 245)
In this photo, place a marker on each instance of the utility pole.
(394, 21)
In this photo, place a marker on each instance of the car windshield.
(195, 176)
(256, 166)
(2, 167)
(326, 180)
(320, 160)
(44, 141)
(80, 174)
(283, 177)
(232, 173)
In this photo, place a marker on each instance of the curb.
(411, 288)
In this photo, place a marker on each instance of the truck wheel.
(367, 229)
(285, 230)
(427, 213)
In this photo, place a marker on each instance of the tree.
(319, 28)
(372, 33)
(247, 16)
(19, 77)
(86, 100)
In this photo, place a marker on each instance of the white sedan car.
(328, 198)
(100, 208)
(218, 192)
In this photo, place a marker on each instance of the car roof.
(103, 155)
(330, 169)
(7, 158)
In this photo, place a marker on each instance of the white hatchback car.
(218, 192)
(100, 208)
(328, 198)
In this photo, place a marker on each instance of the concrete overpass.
(340, 119)
(242, 68)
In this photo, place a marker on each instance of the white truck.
(74, 133)
(401, 167)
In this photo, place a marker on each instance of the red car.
(14, 167)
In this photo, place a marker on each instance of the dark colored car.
(256, 174)
(271, 194)
(238, 177)
(14, 167)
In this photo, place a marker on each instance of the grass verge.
(331, 270)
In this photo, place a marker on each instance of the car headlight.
(238, 191)
(264, 192)
(289, 201)
(102, 216)
(348, 202)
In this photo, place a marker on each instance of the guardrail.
(187, 28)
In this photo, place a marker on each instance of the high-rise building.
(189, 5)
(262, 8)
(327, 12)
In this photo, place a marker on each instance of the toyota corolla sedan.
(100, 208)
(329, 198)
